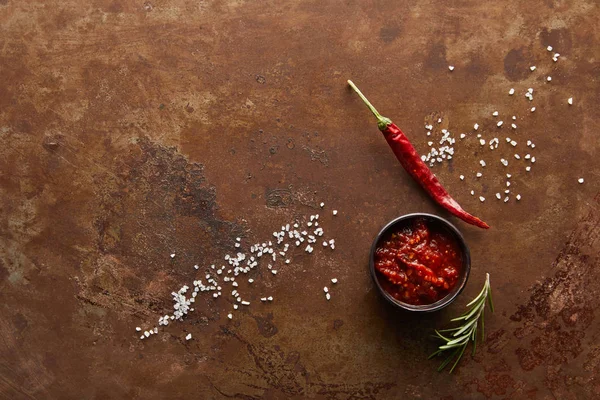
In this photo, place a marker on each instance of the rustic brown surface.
(134, 129)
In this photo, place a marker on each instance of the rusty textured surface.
(133, 129)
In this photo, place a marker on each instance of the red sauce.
(418, 264)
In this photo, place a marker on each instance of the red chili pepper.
(412, 163)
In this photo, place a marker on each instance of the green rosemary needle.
(457, 339)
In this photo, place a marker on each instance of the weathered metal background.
(134, 129)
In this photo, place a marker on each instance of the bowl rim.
(438, 305)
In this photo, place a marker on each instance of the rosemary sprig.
(457, 339)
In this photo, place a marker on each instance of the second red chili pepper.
(412, 163)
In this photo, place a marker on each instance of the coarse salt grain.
(188, 337)
(570, 101)
(482, 163)
(328, 296)
(479, 175)
(532, 109)
(482, 142)
(495, 113)
(511, 91)
(451, 67)
(137, 328)
(462, 135)
(528, 168)
(533, 67)
(325, 289)
(334, 212)
(462, 177)
(230, 315)
(334, 280)
(476, 126)
(549, 48)
(472, 193)
(498, 196)
(514, 126)
(322, 205)
(549, 78)
(173, 255)
(499, 123)
(518, 197)
(481, 199)
(580, 180)
(506, 199)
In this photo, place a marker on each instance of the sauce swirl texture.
(419, 263)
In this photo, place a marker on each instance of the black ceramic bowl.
(432, 220)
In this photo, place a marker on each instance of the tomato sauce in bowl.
(420, 260)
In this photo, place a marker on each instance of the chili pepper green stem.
(382, 122)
